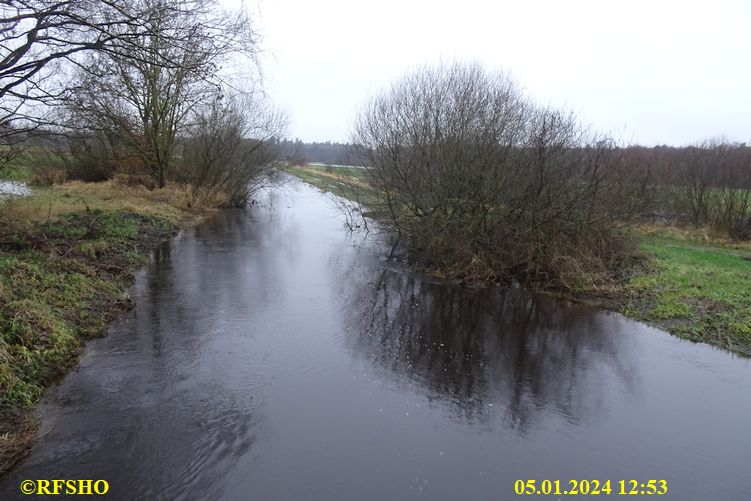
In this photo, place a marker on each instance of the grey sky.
(651, 72)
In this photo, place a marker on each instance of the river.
(272, 355)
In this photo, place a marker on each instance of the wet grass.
(67, 256)
(61, 283)
(696, 288)
(340, 181)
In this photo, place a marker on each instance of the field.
(341, 181)
(333, 178)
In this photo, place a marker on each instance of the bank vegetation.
(130, 119)
(481, 183)
(485, 184)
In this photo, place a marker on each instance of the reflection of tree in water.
(526, 354)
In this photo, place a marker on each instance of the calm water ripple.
(272, 355)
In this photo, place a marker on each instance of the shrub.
(485, 184)
(229, 151)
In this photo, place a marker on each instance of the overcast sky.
(650, 72)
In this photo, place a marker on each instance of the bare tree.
(728, 195)
(41, 39)
(694, 178)
(230, 146)
(37, 37)
(142, 100)
(486, 184)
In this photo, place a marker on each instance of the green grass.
(337, 180)
(698, 291)
(16, 173)
(61, 282)
(21, 166)
(67, 253)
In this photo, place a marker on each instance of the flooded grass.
(13, 189)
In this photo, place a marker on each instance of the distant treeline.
(704, 184)
(299, 153)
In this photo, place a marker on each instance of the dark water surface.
(273, 356)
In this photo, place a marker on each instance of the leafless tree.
(141, 94)
(710, 184)
(486, 184)
(707, 184)
(728, 195)
(42, 40)
(230, 147)
(694, 179)
(37, 38)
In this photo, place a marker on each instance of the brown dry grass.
(699, 236)
(174, 203)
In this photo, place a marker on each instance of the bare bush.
(230, 147)
(711, 184)
(85, 158)
(729, 206)
(486, 184)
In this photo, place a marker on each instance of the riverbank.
(689, 283)
(67, 256)
(695, 286)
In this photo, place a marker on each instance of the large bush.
(486, 184)
(229, 149)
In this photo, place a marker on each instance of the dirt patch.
(17, 432)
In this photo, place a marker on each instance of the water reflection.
(481, 349)
(271, 355)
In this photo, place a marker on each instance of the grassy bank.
(690, 283)
(341, 181)
(67, 255)
(695, 286)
